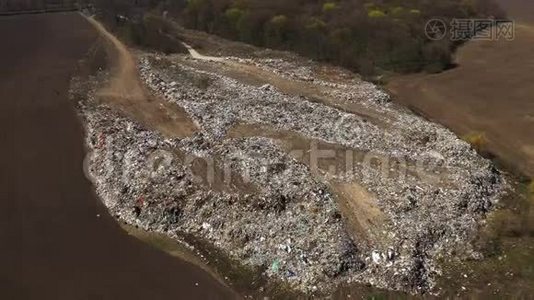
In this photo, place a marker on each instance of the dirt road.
(57, 240)
(127, 93)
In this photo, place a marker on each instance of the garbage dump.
(271, 209)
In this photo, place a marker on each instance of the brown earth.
(58, 241)
(521, 11)
(490, 92)
(126, 92)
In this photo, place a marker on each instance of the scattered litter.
(290, 226)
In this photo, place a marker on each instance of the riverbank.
(59, 242)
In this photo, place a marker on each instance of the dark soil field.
(519, 10)
(57, 239)
(491, 92)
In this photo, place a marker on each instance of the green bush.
(234, 14)
(477, 139)
(376, 13)
(151, 32)
(329, 6)
(397, 11)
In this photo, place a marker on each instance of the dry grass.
(477, 139)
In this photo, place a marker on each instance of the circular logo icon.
(436, 29)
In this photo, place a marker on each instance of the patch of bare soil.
(521, 11)
(489, 93)
(126, 92)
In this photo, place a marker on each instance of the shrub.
(151, 32)
(397, 11)
(279, 21)
(376, 13)
(233, 15)
(315, 24)
(195, 4)
(437, 56)
(477, 140)
(329, 6)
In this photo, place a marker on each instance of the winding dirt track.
(127, 93)
(57, 240)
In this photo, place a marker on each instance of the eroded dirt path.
(126, 92)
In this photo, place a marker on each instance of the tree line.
(368, 36)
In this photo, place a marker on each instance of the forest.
(369, 37)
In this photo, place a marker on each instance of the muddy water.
(56, 239)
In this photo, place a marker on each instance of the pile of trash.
(290, 228)
(435, 189)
